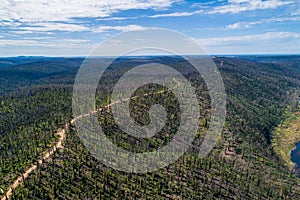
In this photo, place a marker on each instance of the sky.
(76, 27)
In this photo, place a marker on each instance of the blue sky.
(75, 27)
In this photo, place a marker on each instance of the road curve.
(58, 145)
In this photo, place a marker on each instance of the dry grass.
(285, 136)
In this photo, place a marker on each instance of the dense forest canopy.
(36, 101)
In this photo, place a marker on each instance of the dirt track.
(58, 145)
(21, 178)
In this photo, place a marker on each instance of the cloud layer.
(65, 10)
(227, 25)
(237, 6)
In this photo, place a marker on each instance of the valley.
(36, 104)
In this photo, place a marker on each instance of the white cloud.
(232, 6)
(266, 43)
(62, 10)
(114, 18)
(17, 43)
(21, 32)
(37, 38)
(8, 23)
(241, 25)
(36, 16)
(271, 42)
(61, 43)
(249, 38)
(45, 27)
(237, 6)
(27, 32)
(295, 10)
(119, 28)
(176, 14)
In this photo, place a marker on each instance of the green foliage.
(243, 165)
(286, 135)
(28, 124)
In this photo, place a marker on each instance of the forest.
(36, 102)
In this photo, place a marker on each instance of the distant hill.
(36, 102)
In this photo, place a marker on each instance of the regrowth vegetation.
(243, 165)
(286, 135)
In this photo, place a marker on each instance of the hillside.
(36, 101)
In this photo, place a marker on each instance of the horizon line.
(154, 55)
